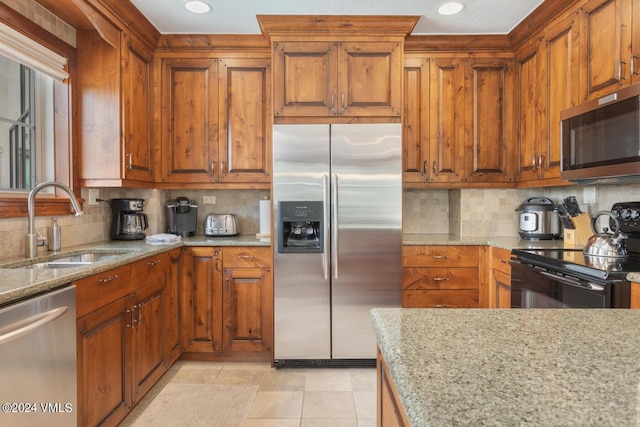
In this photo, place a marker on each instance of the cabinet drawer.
(440, 278)
(96, 291)
(440, 256)
(440, 299)
(246, 257)
(500, 260)
(149, 269)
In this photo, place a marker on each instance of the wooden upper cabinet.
(189, 120)
(305, 78)
(528, 115)
(136, 89)
(245, 120)
(560, 87)
(115, 111)
(490, 121)
(337, 79)
(415, 120)
(446, 112)
(606, 51)
(216, 121)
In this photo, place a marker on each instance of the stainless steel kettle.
(606, 244)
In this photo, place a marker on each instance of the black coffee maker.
(182, 215)
(128, 222)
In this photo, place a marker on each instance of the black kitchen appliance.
(569, 278)
(128, 221)
(182, 216)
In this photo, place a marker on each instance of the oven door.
(533, 287)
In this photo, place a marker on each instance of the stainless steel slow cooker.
(538, 219)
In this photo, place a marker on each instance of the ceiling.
(239, 16)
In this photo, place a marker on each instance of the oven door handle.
(572, 282)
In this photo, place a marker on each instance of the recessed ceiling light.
(197, 6)
(450, 8)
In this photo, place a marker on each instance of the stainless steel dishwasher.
(38, 360)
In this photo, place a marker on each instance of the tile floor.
(341, 397)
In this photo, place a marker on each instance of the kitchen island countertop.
(17, 283)
(513, 367)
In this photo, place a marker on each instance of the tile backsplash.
(467, 212)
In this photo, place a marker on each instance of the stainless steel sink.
(74, 260)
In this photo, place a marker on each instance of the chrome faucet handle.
(40, 239)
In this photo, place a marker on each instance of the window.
(26, 126)
(54, 61)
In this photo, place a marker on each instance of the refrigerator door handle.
(325, 225)
(334, 225)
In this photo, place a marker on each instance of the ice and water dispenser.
(301, 227)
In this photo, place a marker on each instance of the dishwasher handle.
(35, 322)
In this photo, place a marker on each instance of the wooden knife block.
(575, 239)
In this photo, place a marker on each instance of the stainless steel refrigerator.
(337, 198)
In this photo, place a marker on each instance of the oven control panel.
(628, 213)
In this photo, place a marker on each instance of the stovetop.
(575, 262)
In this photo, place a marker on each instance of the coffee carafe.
(128, 222)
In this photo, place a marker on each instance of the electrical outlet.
(589, 195)
(94, 194)
(209, 200)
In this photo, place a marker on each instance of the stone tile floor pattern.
(336, 397)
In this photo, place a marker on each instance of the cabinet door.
(149, 363)
(559, 87)
(446, 113)
(502, 282)
(606, 25)
(173, 336)
(370, 79)
(136, 88)
(528, 118)
(305, 81)
(245, 120)
(189, 120)
(248, 316)
(415, 120)
(201, 299)
(489, 121)
(104, 360)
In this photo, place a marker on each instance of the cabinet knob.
(440, 279)
(213, 168)
(633, 65)
(424, 167)
(154, 262)
(332, 104)
(107, 279)
(441, 305)
(441, 257)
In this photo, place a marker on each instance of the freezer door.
(302, 317)
(366, 180)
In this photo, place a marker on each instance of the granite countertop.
(513, 367)
(17, 283)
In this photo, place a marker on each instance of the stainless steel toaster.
(221, 225)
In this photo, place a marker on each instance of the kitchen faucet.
(31, 239)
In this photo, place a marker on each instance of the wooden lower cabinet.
(104, 359)
(247, 310)
(201, 299)
(441, 276)
(500, 278)
(227, 303)
(390, 412)
(121, 334)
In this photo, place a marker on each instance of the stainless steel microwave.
(601, 138)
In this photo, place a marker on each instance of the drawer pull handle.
(441, 257)
(441, 305)
(246, 256)
(154, 262)
(108, 279)
(440, 279)
(504, 261)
